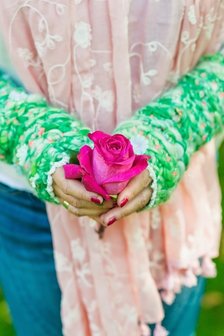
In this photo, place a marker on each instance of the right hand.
(77, 200)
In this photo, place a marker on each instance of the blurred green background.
(211, 322)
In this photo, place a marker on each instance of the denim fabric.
(11, 76)
(27, 272)
(181, 317)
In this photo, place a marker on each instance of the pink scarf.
(102, 60)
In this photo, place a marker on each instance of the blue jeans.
(182, 316)
(28, 279)
(27, 270)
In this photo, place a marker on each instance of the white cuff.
(55, 165)
(153, 186)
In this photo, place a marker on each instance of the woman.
(124, 282)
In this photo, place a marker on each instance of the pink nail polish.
(95, 200)
(123, 202)
(111, 221)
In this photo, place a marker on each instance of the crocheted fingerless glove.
(36, 137)
(176, 125)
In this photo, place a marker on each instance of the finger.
(78, 203)
(75, 188)
(67, 205)
(89, 212)
(98, 220)
(81, 212)
(136, 204)
(134, 187)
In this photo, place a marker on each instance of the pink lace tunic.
(102, 60)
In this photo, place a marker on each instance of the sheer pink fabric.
(102, 60)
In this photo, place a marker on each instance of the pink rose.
(109, 166)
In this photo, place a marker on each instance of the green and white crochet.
(177, 124)
(37, 137)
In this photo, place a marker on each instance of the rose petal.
(115, 188)
(139, 165)
(96, 136)
(85, 159)
(111, 164)
(122, 155)
(104, 170)
(72, 171)
(105, 143)
(91, 185)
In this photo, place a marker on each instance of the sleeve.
(36, 137)
(172, 128)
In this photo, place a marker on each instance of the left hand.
(133, 198)
(76, 199)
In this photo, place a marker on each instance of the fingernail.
(96, 200)
(123, 202)
(111, 221)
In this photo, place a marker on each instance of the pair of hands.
(81, 202)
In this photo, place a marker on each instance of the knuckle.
(146, 179)
(56, 176)
(76, 203)
(144, 199)
(83, 195)
(56, 191)
(142, 203)
(125, 213)
(118, 214)
(66, 187)
(101, 212)
(75, 211)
